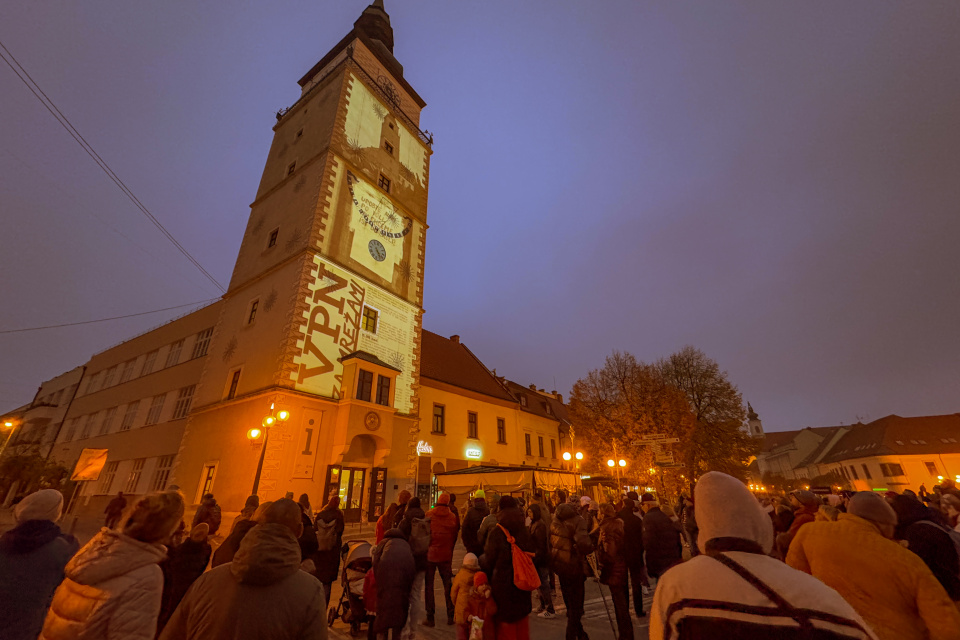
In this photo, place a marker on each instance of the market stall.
(507, 480)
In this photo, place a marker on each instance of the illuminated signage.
(424, 449)
(474, 454)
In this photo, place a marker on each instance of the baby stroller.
(357, 560)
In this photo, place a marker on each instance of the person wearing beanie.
(470, 531)
(460, 593)
(32, 557)
(114, 585)
(661, 537)
(444, 528)
(734, 589)
(480, 608)
(887, 584)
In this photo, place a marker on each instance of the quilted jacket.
(112, 590)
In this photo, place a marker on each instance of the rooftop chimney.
(455, 339)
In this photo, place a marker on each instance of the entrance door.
(351, 493)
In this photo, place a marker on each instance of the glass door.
(351, 493)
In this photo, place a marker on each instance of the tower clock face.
(379, 227)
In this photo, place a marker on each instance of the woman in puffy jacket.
(114, 584)
(613, 568)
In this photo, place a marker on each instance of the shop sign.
(474, 454)
(424, 449)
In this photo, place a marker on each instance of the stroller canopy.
(357, 550)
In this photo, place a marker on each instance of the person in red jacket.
(444, 528)
(805, 506)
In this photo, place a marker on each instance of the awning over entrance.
(506, 480)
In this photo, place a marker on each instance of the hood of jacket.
(268, 553)
(110, 554)
(535, 514)
(28, 536)
(727, 509)
(565, 511)
(394, 533)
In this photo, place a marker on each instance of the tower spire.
(375, 22)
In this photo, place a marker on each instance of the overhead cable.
(129, 315)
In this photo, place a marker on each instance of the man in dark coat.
(661, 538)
(393, 571)
(471, 524)
(929, 539)
(231, 543)
(513, 605)
(569, 545)
(262, 593)
(540, 538)
(32, 557)
(184, 564)
(613, 572)
(208, 512)
(114, 510)
(633, 553)
(327, 561)
(411, 513)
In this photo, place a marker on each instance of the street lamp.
(12, 426)
(567, 456)
(611, 463)
(255, 433)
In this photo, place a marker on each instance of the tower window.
(501, 431)
(370, 316)
(438, 419)
(383, 391)
(234, 383)
(388, 147)
(291, 168)
(384, 183)
(472, 425)
(364, 385)
(272, 242)
(253, 311)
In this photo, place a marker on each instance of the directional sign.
(675, 465)
(657, 438)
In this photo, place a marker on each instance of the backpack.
(419, 536)
(326, 535)
(525, 575)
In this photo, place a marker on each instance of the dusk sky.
(777, 184)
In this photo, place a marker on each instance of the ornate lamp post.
(255, 434)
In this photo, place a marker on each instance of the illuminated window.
(156, 407)
(388, 147)
(234, 381)
(439, 425)
(931, 468)
(472, 425)
(526, 442)
(501, 431)
(253, 311)
(384, 183)
(134, 478)
(272, 242)
(129, 416)
(370, 316)
(383, 391)
(291, 168)
(523, 400)
(203, 343)
(184, 399)
(173, 357)
(364, 385)
(149, 362)
(540, 444)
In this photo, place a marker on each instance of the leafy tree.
(719, 442)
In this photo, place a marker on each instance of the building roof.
(895, 435)
(541, 403)
(449, 360)
(776, 439)
(368, 357)
(813, 457)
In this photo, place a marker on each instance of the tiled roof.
(368, 357)
(450, 361)
(828, 434)
(539, 403)
(895, 435)
(775, 439)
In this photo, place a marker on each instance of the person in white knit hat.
(32, 557)
(734, 589)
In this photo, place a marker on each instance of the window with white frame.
(184, 398)
(149, 362)
(110, 377)
(85, 422)
(127, 374)
(206, 480)
(203, 343)
(106, 478)
(173, 356)
(156, 406)
(134, 478)
(162, 473)
(129, 415)
(94, 384)
(106, 423)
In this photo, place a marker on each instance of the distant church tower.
(323, 315)
(754, 426)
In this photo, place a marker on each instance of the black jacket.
(661, 542)
(471, 525)
(539, 538)
(569, 542)
(513, 604)
(393, 571)
(308, 539)
(228, 548)
(184, 564)
(406, 525)
(632, 538)
(328, 561)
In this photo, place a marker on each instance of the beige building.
(133, 402)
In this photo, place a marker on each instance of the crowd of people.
(856, 565)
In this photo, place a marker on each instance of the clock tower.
(322, 318)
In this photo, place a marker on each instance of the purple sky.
(777, 184)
